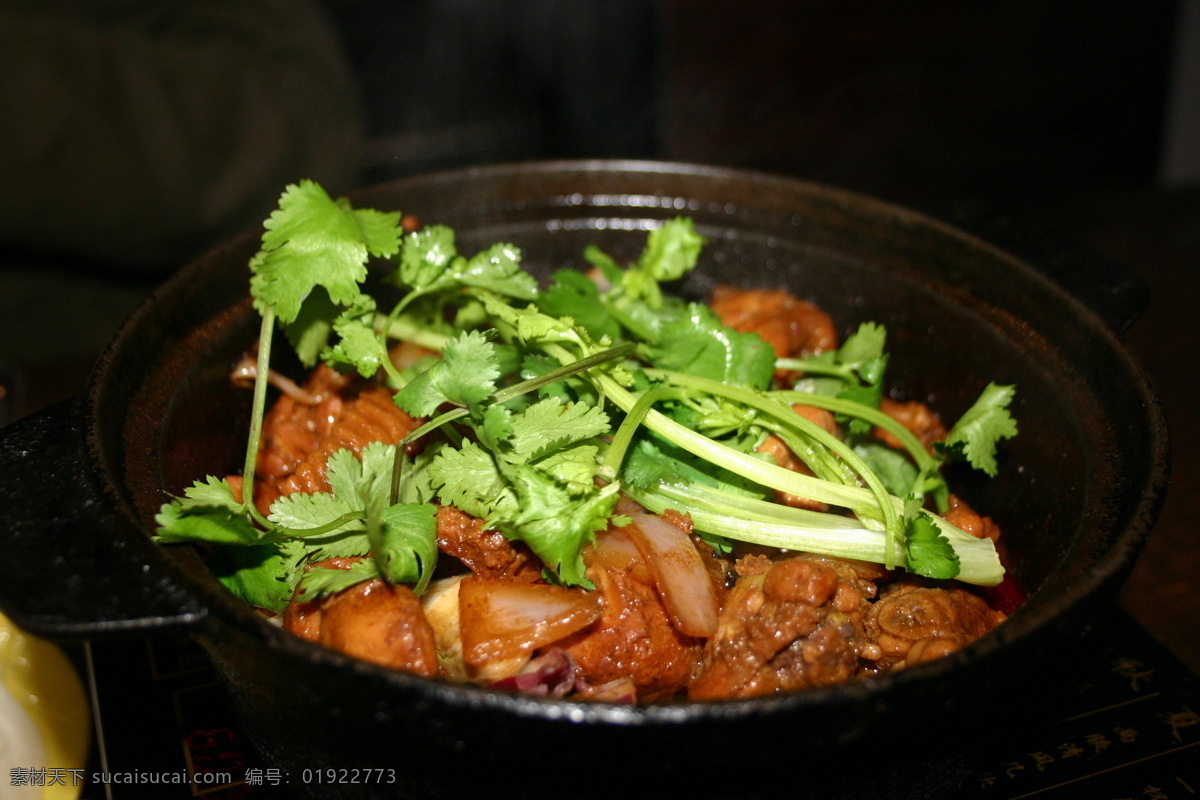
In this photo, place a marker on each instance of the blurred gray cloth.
(138, 132)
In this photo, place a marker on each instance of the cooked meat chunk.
(917, 417)
(782, 455)
(293, 428)
(797, 625)
(913, 623)
(634, 638)
(963, 516)
(792, 327)
(299, 437)
(753, 564)
(486, 553)
(374, 621)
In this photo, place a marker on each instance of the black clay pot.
(1076, 496)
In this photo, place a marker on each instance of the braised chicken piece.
(298, 437)
(293, 428)
(793, 327)
(796, 625)
(634, 639)
(913, 623)
(782, 455)
(963, 516)
(486, 553)
(917, 417)
(375, 621)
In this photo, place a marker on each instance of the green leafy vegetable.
(207, 512)
(700, 344)
(465, 376)
(984, 424)
(929, 552)
(552, 404)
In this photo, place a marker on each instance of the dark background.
(1064, 116)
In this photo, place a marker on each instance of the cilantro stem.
(770, 475)
(628, 428)
(385, 329)
(757, 521)
(257, 410)
(785, 415)
(838, 405)
(821, 461)
(565, 371)
(405, 331)
(316, 530)
(814, 366)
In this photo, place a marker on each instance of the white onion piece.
(440, 604)
(501, 619)
(679, 572)
(614, 548)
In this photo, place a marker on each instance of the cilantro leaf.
(465, 376)
(634, 297)
(469, 479)
(312, 240)
(406, 549)
(928, 552)
(863, 353)
(425, 255)
(608, 268)
(204, 524)
(853, 371)
(264, 575)
(671, 250)
(207, 512)
(320, 581)
(369, 474)
(429, 262)
(556, 525)
(551, 425)
(530, 324)
(572, 294)
(981, 428)
(358, 346)
(302, 511)
(337, 545)
(651, 462)
(897, 472)
(700, 344)
(572, 388)
(401, 538)
(497, 424)
(498, 269)
(575, 468)
(310, 332)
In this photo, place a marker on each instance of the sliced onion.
(504, 620)
(683, 581)
(440, 604)
(620, 690)
(614, 549)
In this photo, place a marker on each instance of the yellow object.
(44, 718)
